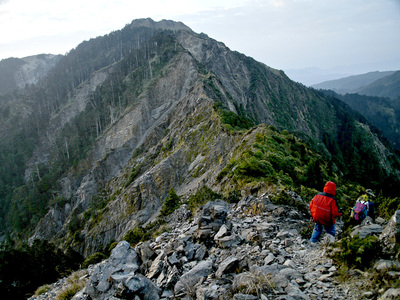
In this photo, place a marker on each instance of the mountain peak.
(163, 24)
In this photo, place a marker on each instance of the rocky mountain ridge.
(125, 118)
(128, 127)
(249, 250)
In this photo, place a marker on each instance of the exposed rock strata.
(171, 136)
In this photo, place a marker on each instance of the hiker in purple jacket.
(364, 207)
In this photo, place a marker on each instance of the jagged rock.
(290, 263)
(190, 250)
(141, 286)
(180, 215)
(390, 294)
(295, 292)
(380, 221)
(201, 253)
(157, 266)
(290, 273)
(312, 276)
(367, 221)
(172, 277)
(145, 251)
(173, 259)
(194, 276)
(391, 234)
(223, 231)
(186, 267)
(249, 234)
(386, 264)
(116, 275)
(279, 281)
(228, 241)
(203, 293)
(211, 218)
(286, 233)
(244, 297)
(325, 277)
(269, 259)
(367, 230)
(227, 265)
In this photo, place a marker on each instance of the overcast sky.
(352, 36)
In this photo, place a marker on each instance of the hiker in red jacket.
(324, 209)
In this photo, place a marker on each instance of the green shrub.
(134, 236)
(357, 252)
(387, 206)
(109, 247)
(168, 146)
(225, 171)
(77, 237)
(233, 197)
(93, 259)
(282, 199)
(202, 196)
(42, 289)
(306, 232)
(171, 203)
(132, 176)
(140, 234)
(68, 293)
(306, 193)
(383, 280)
(75, 224)
(155, 229)
(231, 120)
(251, 166)
(59, 200)
(74, 285)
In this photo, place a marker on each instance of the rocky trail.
(249, 250)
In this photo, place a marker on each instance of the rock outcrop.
(391, 234)
(16, 73)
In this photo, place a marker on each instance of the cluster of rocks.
(250, 250)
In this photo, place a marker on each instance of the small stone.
(332, 269)
(325, 277)
(226, 266)
(269, 259)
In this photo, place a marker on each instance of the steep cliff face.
(15, 73)
(147, 106)
(178, 143)
(268, 95)
(74, 106)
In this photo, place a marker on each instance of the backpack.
(360, 210)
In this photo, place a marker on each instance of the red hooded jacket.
(324, 207)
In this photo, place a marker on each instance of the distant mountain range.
(375, 95)
(379, 84)
(310, 76)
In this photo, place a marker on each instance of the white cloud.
(281, 33)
